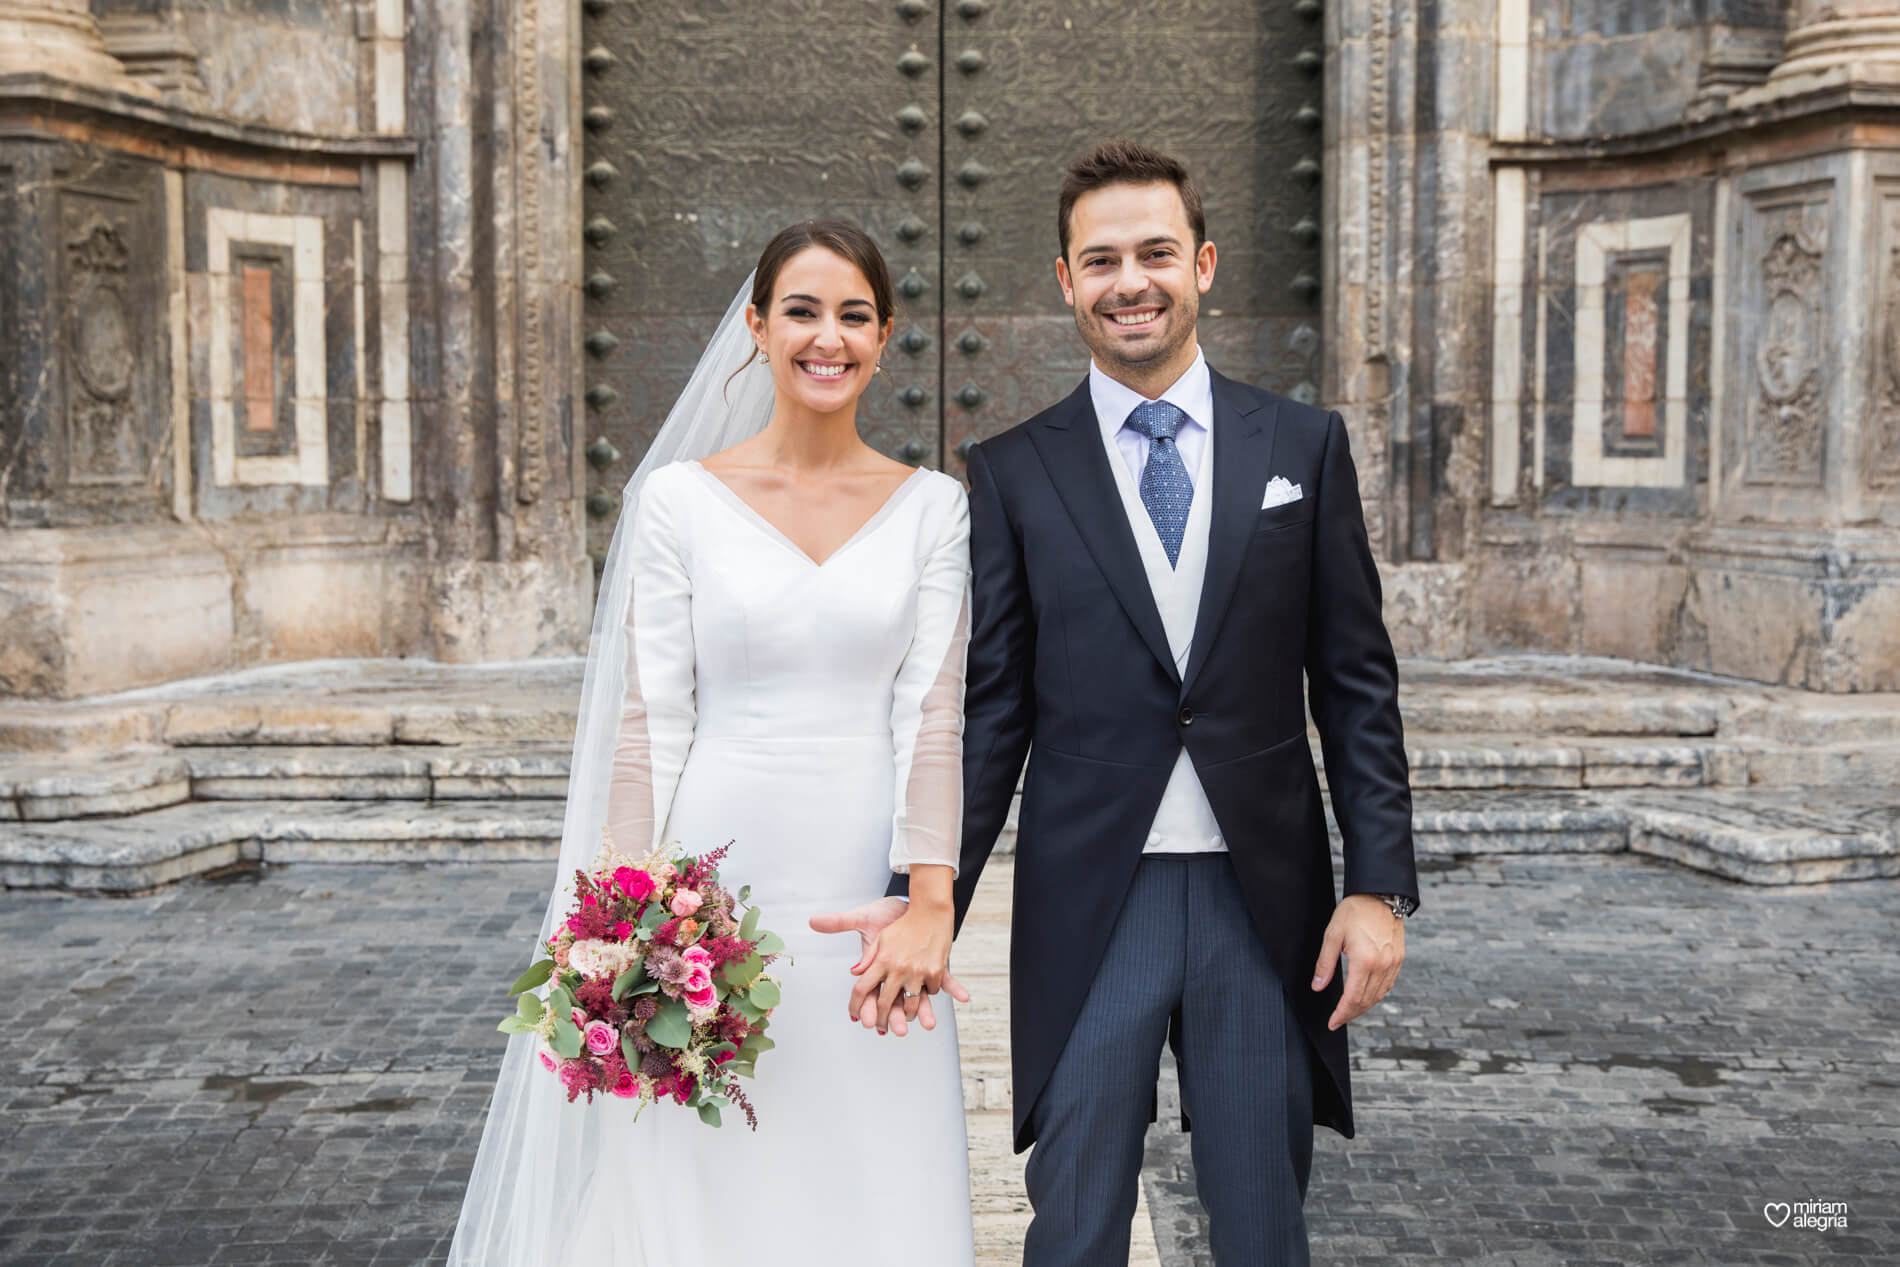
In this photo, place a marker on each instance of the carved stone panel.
(1785, 422)
(1880, 454)
(107, 335)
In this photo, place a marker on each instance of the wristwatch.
(1400, 905)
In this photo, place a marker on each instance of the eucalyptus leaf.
(645, 987)
(720, 1049)
(743, 972)
(534, 976)
(745, 891)
(560, 1002)
(741, 1069)
(567, 1039)
(771, 943)
(764, 994)
(756, 1043)
(671, 1026)
(514, 1025)
(529, 1008)
(628, 1051)
(749, 926)
(627, 980)
(746, 1009)
(709, 1115)
(654, 917)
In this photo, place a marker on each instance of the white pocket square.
(1279, 493)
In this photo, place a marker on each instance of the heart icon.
(1776, 1212)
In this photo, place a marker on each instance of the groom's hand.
(1373, 939)
(869, 921)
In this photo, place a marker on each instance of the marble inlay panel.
(1639, 244)
(243, 236)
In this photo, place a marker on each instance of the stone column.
(1858, 40)
(154, 51)
(498, 201)
(1797, 572)
(60, 38)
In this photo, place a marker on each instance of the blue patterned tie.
(1166, 489)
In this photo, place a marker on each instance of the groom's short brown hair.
(1125, 162)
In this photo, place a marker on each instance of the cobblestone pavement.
(1590, 1061)
(1610, 1061)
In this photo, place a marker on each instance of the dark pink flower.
(636, 884)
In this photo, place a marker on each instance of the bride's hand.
(869, 922)
(908, 962)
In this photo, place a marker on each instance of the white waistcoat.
(1184, 822)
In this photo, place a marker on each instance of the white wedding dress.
(811, 714)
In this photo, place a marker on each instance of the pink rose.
(636, 884)
(600, 1037)
(698, 989)
(700, 960)
(686, 902)
(626, 1086)
(547, 1060)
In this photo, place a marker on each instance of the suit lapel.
(1243, 450)
(1070, 442)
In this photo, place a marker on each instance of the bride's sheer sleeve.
(927, 705)
(658, 711)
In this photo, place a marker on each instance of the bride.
(777, 660)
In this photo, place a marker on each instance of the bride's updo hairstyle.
(843, 239)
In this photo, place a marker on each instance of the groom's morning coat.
(1069, 664)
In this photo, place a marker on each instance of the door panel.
(708, 126)
(1220, 86)
(942, 127)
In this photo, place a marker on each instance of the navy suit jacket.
(1069, 665)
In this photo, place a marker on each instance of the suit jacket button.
(1187, 717)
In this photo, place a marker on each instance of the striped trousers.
(1182, 965)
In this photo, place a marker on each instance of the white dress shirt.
(1184, 821)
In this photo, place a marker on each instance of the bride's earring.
(763, 358)
(879, 369)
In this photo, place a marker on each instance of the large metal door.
(942, 126)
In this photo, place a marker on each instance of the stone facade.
(1609, 295)
(288, 315)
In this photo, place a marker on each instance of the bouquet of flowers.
(655, 985)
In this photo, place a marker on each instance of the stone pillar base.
(511, 611)
(1819, 610)
(61, 38)
(93, 610)
(1856, 50)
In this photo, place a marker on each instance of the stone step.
(1758, 835)
(1441, 761)
(53, 787)
(144, 851)
(414, 702)
(525, 771)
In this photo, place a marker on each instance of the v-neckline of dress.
(746, 511)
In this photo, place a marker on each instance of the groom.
(1159, 559)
